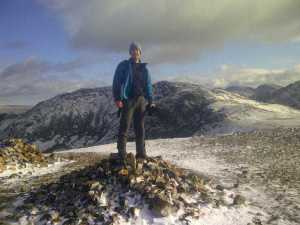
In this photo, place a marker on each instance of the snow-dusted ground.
(188, 153)
(184, 153)
(13, 176)
(176, 150)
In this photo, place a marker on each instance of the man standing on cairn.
(131, 88)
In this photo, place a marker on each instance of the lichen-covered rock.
(16, 153)
(2, 162)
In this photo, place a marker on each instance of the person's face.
(135, 54)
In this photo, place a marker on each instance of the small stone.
(239, 200)
(256, 221)
(123, 172)
(220, 187)
(160, 206)
(95, 185)
(134, 212)
(55, 216)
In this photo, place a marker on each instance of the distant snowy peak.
(271, 93)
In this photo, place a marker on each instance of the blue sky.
(52, 46)
(37, 27)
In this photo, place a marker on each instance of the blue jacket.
(122, 81)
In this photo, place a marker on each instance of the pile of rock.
(110, 192)
(15, 153)
(163, 185)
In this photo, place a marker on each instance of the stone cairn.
(15, 153)
(109, 192)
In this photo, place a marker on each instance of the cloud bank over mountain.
(253, 77)
(229, 75)
(174, 30)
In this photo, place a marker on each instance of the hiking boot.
(141, 156)
(117, 162)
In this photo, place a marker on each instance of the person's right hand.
(119, 104)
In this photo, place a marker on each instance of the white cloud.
(297, 68)
(255, 76)
(34, 80)
(175, 30)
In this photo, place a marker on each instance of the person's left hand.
(152, 105)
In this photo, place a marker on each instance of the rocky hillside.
(264, 92)
(289, 95)
(88, 116)
(242, 90)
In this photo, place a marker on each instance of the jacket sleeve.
(116, 87)
(149, 92)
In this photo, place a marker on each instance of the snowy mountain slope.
(289, 95)
(244, 114)
(88, 116)
(71, 117)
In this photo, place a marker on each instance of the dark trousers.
(133, 108)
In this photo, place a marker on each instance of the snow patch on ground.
(31, 170)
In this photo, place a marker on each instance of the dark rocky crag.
(88, 117)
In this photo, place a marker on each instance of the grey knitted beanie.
(135, 45)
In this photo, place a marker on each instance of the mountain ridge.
(88, 116)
